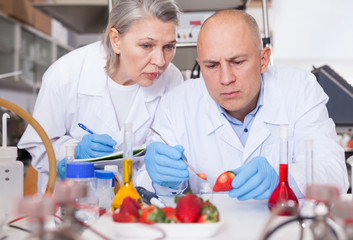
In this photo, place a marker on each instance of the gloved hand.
(164, 164)
(61, 169)
(94, 145)
(257, 179)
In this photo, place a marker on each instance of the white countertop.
(238, 220)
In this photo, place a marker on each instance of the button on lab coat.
(189, 116)
(75, 90)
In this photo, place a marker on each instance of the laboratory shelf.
(24, 48)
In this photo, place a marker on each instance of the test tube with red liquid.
(283, 193)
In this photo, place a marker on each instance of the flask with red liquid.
(283, 193)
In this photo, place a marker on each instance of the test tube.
(309, 161)
(350, 162)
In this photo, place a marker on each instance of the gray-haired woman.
(106, 84)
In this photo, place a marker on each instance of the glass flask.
(283, 193)
(127, 188)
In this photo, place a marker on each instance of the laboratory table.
(238, 220)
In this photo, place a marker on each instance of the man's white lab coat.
(189, 116)
(74, 90)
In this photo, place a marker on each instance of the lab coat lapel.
(93, 83)
(258, 134)
(272, 112)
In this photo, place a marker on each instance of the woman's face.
(145, 51)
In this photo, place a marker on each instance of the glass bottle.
(70, 153)
(127, 188)
(104, 188)
(116, 183)
(283, 193)
(206, 192)
(83, 173)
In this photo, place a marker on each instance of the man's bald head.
(232, 16)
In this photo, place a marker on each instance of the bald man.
(230, 119)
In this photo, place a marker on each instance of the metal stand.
(266, 39)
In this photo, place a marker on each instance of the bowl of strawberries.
(192, 217)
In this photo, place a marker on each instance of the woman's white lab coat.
(189, 116)
(74, 90)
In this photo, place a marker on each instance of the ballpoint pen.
(85, 128)
(81, 125)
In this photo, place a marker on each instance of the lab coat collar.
(273, 111)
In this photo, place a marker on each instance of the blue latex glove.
(94, 145)
(61, 169)
(164, 164)
(257, 179)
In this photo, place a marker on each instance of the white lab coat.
(74, 90)
(189, 116)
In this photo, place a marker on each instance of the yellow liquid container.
(127, 188)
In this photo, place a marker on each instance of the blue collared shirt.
(242, 129)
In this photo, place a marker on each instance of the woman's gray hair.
(126, 12)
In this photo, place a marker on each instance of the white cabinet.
(23, 48)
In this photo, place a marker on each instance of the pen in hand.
(81, 125)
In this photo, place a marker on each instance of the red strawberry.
(130, 206)
(209, 213)
(151, 214)
(170, 216)
(188, 208)
(124, 217)
(224, 182)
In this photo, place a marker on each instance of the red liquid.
(283, 193)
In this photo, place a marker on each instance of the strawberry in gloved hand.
(188, 208)
(224, 182)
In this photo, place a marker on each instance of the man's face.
(231, 65)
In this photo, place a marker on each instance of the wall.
(315, 32)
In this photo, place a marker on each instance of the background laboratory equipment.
(127, 188)
(283, 193)
(206, 192)
(66, 195)
(105, 192)
(83, 172)
(11, 175)
(70, 153)
(342, 213)
(114, 169)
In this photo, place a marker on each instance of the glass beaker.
(127, 188)
(283, 193)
